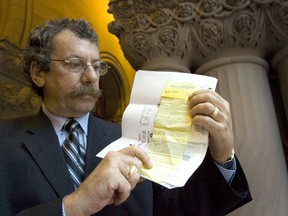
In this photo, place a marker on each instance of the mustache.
(85, 90)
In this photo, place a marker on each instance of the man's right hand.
(110, 182)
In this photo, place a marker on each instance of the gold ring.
(215, 112)
(133, 171)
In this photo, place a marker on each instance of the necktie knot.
(71, 125)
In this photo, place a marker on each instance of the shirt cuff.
(228, 169)
(63, 208)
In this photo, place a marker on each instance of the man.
(63, 63)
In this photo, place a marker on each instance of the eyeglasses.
(76, 65)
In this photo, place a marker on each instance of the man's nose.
(89, 75)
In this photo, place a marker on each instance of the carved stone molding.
(114, 91)
(186, 34)
(17, 99)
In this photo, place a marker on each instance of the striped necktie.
(74, 153)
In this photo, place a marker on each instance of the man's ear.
(36, 74)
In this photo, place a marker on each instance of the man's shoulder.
(7, 125)
(103, 122)
(106, 127)
(13, 125)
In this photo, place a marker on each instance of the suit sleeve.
(205, 193)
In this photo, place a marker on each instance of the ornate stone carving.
(187, 33)
(17, 99)
(233, 40)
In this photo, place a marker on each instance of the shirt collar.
(58, 121)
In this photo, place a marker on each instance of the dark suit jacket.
(34, 176)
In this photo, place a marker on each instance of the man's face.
(60, 82)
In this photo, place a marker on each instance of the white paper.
(138, 124)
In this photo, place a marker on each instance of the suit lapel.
(44, 147)
(95, 143)
(100, 134)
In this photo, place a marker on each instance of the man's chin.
(83, 108)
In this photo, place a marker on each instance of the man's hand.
(110, 183)
(211, 111)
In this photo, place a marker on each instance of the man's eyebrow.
(96, 60)
(74, 56)
(83, 58)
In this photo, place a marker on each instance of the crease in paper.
(157, 120)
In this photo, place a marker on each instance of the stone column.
(243, 82)
(233, 41)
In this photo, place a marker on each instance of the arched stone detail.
(116, 90)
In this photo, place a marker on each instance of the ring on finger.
(133, 170)
(215, 112)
